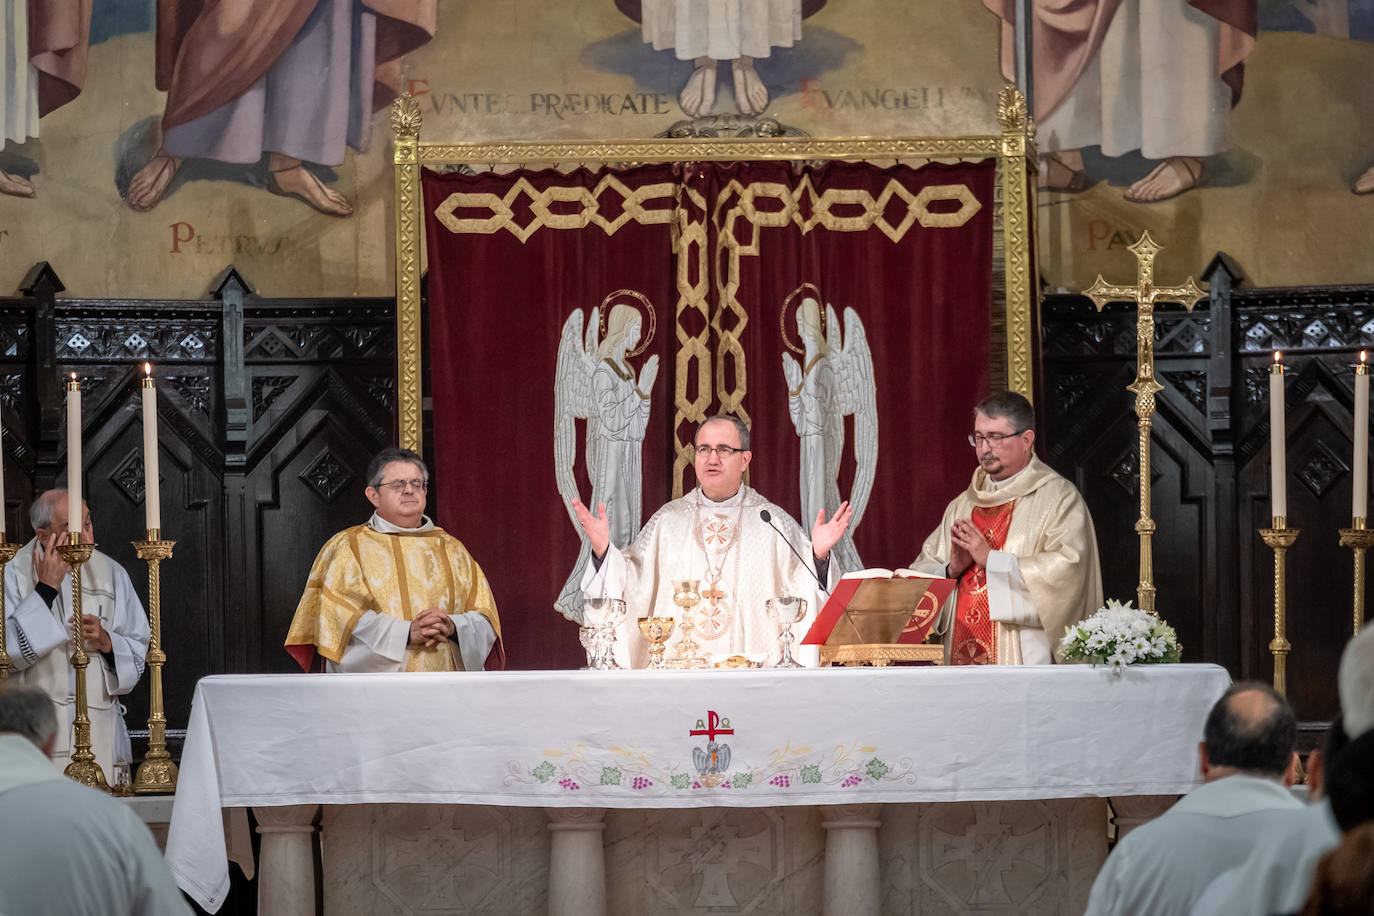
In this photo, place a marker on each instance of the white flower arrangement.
(1119, 635)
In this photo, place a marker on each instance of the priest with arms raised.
(396, 593)
(1021, 543)
(719, 535)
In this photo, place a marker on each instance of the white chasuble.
(1047, 575)
(739, 561)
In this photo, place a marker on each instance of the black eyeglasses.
(722, 451)
(399, 486)
(977, 440)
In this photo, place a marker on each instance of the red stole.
(974, 641)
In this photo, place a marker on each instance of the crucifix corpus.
(1145, 294)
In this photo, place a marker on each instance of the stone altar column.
(577, 862)
(286, 860)
(851, 860)
(1130, 811)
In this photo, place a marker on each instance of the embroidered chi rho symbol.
(713, 760)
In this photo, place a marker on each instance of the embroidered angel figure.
(594, 381)
(835, 380)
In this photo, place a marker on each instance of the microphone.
(809, 565)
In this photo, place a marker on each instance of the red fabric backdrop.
(498, 303)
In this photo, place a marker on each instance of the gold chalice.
(686, 595)
(657, 630)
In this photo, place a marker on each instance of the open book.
(880, 607)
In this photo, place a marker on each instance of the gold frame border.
(1013, 148)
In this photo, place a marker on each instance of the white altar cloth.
(640, 739)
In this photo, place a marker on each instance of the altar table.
(579, 742)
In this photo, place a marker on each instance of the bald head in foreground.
(66, 848)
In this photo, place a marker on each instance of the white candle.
(74, 513)
(1359, 497)
(1278, 442)
(152, 495)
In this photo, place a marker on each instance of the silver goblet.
(785, 611)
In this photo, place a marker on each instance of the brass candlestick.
(1358, 538)
(83, 767)
(1280, 537)
(157, 774)
(7, 552)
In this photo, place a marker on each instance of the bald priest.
(396, 593)
(1021, 543)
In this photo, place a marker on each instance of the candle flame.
(73, 376)
(148, 369)
(1278, 356)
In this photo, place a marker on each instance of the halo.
(648, 309)
(787, 303)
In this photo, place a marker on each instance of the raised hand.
(50, 568)
(825, 535)
(964, 534)
(597, 527)
(791, 372)
(647, 375)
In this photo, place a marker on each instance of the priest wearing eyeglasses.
(742, 549)
(396, 593)
(1021, 543)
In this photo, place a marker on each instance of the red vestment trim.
(975, 635)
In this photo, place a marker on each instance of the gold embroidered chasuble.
(397, 574)
(739, 561)
(1056, 579)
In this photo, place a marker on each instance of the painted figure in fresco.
(1158, 76)
(296, 80)
(835, 381)
(595, 381)
(44, 45)
(738, 31)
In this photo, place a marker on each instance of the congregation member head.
(39, 605)
(1019, 541)
(65, 848)
(741, 548)
(1164, 867)
(396, 593)
(1250, 731)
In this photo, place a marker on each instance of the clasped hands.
(432, 627)
(968, 547)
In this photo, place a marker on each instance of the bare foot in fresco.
(699, 95)
(1062, 171)
(1170, 178)
(1365, 183)
(288, 178)
(148, 186)
(15, 186)
(751, 96)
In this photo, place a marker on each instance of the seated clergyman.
(396, 593)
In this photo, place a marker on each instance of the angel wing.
(572, 400)
(852, 362)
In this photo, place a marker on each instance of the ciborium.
(784, 612)
(657, 630)
(605, 615)
(686, 595)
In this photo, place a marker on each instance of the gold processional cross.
(1145, 294)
